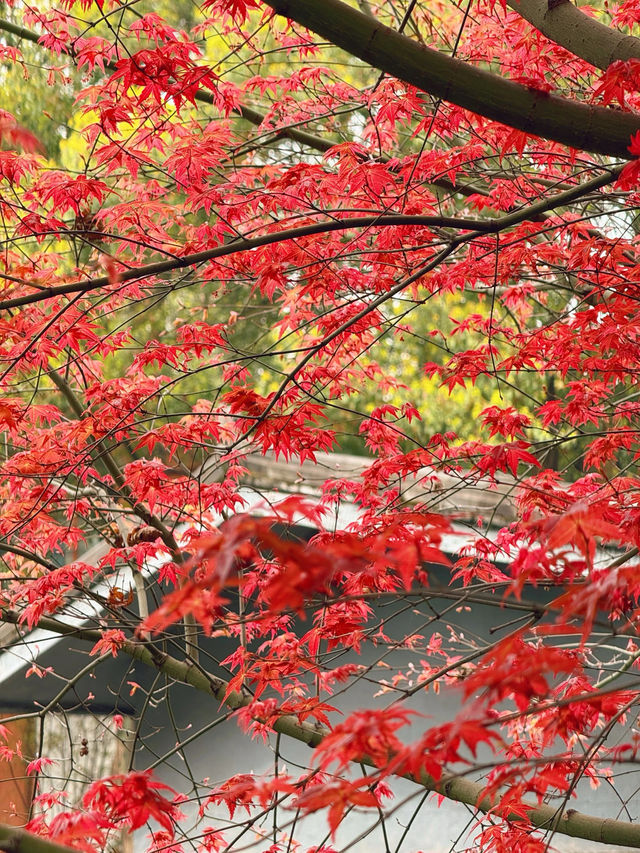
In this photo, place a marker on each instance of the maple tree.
(266, 228)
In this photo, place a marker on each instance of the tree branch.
(247, 113)
(476, 227)
(583, 126)
(5, 547)
(16, 840)
(102, 451)
(321, 144)
(459, 789)
(246, 244)
(566, 25)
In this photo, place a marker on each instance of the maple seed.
(142, 533)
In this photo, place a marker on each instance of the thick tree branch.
(15, 840)
(580, 34)
(583, 126)
(459, 789)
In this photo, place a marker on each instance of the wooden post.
(16, 788)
